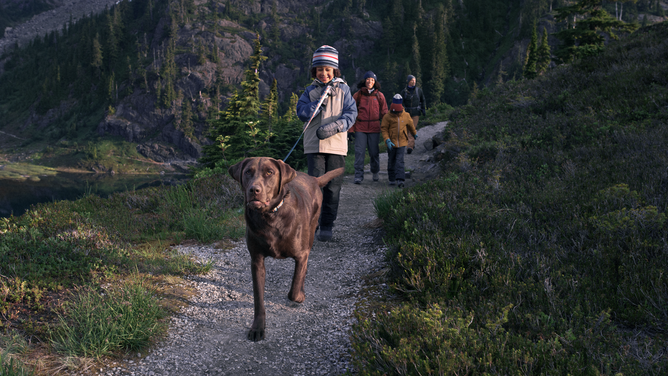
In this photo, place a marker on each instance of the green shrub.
(546, 235)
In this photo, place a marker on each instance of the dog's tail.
(324, 179)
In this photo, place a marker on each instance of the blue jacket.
(339, 107)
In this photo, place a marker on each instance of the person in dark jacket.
(415, 104)
(371, 107)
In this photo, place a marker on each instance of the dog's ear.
(287, 173)
(236, 170)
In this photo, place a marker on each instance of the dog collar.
(277, 206)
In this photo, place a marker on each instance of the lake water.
(16, 197)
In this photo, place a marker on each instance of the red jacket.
(370, 111)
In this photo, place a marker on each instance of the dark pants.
(362, 142)
(318, 165)
(395, 164)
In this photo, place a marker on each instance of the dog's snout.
(255, 189)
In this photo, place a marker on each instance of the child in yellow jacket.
(395, 127)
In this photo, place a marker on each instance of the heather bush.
(542, 249)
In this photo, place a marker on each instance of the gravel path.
(208, 337)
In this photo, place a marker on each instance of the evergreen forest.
(139, 55)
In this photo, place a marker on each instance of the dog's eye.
(269, 172)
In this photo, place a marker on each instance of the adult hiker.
(415, 104)
(325, 139)
(371, 107)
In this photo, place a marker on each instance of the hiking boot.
(392, 182)
(358, 181)
(375, 176)
(400, 184)
(325, 233)
(408, 151)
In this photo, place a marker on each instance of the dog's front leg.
(256, 332)
(296, 293)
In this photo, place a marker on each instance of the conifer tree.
(187, 117)
(169, 76)
(388, 39)
(390, 84)
(532, 56)
(415, 57)
(201, 52)
(291, 113)
(439, 65)
(238, 131)
(271, 104)
(275, 27)
(111, 44)
(586, 37)
(544, 55)
(96, 61)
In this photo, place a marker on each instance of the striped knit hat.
(326, 56)
(397, 104)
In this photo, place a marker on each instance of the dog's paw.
(256, 335)
(298, 297)
(256, 332)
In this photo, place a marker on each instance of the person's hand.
(415, 136)
(328, 130)
(390, 145)
(351, 136)
(424, 112)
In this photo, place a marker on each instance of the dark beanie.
(326, 56)
(370, 74)
(397, 103)
(410, 77)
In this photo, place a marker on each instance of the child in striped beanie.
(325, 139)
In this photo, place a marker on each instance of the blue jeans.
(318, 165)
(395, 164)
(362, 142)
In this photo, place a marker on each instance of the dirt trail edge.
(208, 336)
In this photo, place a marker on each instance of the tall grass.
(11, 345)
(120, 319)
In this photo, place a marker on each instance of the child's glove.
(390, 145)
(415, 136)
(330, 129)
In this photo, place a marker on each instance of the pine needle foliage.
(248, 128)
(531, 60)
(588, 23)
(544, 54)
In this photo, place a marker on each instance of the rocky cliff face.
(138, 119)
(158, 129)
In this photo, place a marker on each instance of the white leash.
(328, 88)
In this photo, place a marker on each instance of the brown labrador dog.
(282, 211)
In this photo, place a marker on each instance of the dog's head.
(262, 180)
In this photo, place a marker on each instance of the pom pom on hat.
(409, 78)
(326, 56)
(397, 103)
(370, 74)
